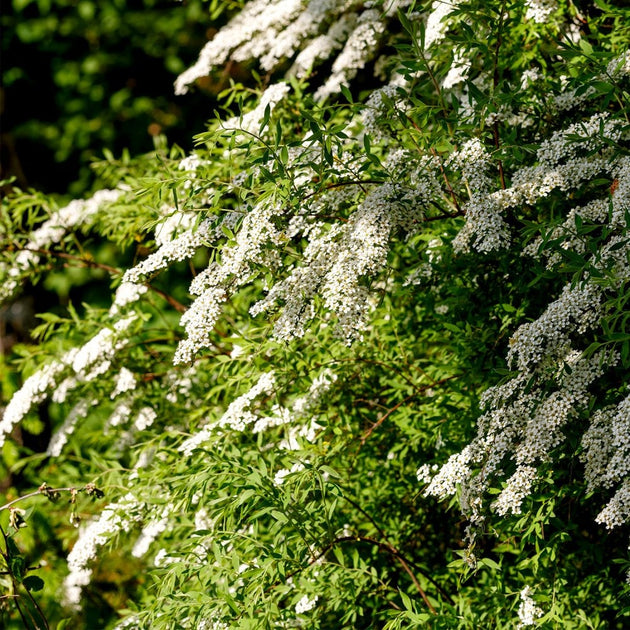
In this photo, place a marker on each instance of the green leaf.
(33, 583)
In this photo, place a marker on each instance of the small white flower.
(306, 604)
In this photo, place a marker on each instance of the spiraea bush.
(366, 360)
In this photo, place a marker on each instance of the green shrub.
(365, 363)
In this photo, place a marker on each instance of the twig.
(446, 179)
(340, 184)
(385, 547)
(436, 155)
(418, 568)
(85, 261)
(384, 417)
(178, 306)
(45, 490)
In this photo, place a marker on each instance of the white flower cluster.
(360, 47)
(237, 416)
(377, 107)
(320, 385)
(577, 308)
(145, 418)
(579, 138)
(307, 32)
(540, 10)
(253, 246)
(175, 222)
(283, 473)
(212, 624)
(337, 260)
(485, 229)
(131, 623)
(524, 421)
(595, 211)
(127, 293)
(528, 611)
(606, 454)
(250, 122)
(162, 558)
(94, 358)
(87, 362)
(570, 157)
(449, 477)
(437, 22)
(178, 220)
(61, 435)
(458, 71)
(181, 248)
(180, 384)
(617, 510)
(474, 161)
(35, 390)
(120, 415)
(125, 382)
(307, 24)
(306, 604)
(606, 446)
(115, 518)
(250, 34)
(76, 213)
(300, 407)
(307, 432)
(521, 423)
(217, 51)
(151, 531)
(619, 67)
(621, 193)
(322, 47)
(518, 487)
(567, 159)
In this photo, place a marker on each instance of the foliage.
(81, 77)
(366, 359)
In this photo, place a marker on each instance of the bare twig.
(384, 417)
(51, 492)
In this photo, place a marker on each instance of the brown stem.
(6, 506)
(442, 217)
(39, 610)
(384, 417)
(446, 179)
(85, 261)
(320, 555)
(495, 131)
(340, 184)
(389, 549)
(44, 490)
(422, 571)
(178, 306)
(441, 165)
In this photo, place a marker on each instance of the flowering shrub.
(367, 364)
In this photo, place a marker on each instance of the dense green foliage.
(366, 360)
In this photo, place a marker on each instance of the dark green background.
(81, 76)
